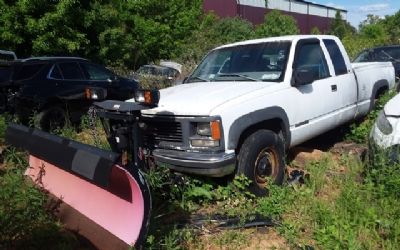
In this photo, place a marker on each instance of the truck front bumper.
(206, 164)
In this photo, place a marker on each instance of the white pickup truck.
(247, 102)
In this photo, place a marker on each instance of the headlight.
(94, 93)
(203, 129)
(147, 97)
(207, 134)
(211, 129)
(383, 124)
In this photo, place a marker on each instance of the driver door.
(314, 101)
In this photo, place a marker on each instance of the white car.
(386, 131)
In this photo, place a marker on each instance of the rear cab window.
(336, 56)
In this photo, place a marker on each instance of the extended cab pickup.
(247, 102)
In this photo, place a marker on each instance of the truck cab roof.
(276, 39)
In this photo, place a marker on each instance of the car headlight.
(147, 97)
(203, 129)
(93, 93)
(383, 124)
(208, 134)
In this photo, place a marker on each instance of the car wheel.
(51, 119)
(261, 159)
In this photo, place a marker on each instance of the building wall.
(306, 15)
(222, 8)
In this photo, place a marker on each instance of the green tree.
(277, 24)
(110, 31)
(392, 26)
(340, 27)
(213, 32)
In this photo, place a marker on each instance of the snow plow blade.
(102, 201)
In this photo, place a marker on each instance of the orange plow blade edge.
(102, 201)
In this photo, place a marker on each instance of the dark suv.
(57, 88)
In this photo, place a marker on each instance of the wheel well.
(276, 125)
(382, 90)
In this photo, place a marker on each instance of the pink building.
(307, 14)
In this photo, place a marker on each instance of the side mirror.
(302, 77)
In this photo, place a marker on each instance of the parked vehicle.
(382, 54)
(248, 102)
(163, 75)
(58, 87)
(386, 131)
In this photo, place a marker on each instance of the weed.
(24, 221)
(360, 130)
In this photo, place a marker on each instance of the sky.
(358, 9)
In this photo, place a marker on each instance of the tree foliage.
(340, 27)
(114, 32)
(133, 32)
(277, 24)
(213, 32)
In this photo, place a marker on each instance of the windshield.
(252, 62)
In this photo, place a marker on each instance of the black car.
(382, 54)
(52, 89)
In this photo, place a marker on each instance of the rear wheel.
(51, 118)
(261, 159)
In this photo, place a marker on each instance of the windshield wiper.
(237, 75)
(198, 78)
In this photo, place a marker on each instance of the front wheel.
(261, 159)
(51, 118)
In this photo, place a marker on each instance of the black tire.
(262, 156)
(51, 118)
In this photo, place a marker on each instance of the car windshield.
(252, 62)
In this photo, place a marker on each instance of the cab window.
(336, 56)
(310, 57)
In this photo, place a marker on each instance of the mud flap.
(104, 202)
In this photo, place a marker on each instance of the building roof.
(321, 5)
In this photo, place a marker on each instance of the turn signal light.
(147, 97)
(215, 130)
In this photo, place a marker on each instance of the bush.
(25, 217)
(213, 32)
(277, 24)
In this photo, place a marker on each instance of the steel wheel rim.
(266, 165)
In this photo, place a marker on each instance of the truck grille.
(163, 133)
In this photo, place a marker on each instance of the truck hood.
(197, 99)
(392, 107)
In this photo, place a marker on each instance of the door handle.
(334, 88)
